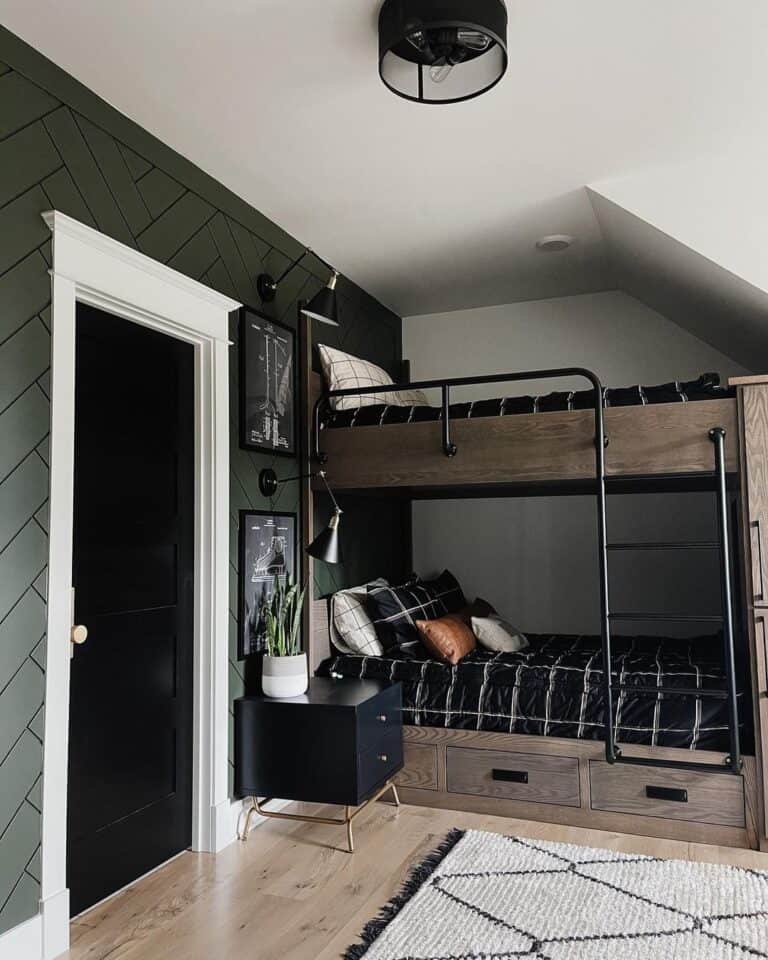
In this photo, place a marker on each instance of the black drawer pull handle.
(511, 776)
(666, 793)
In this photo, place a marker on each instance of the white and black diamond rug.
(484, 896)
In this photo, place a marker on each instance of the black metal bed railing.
(446, 385)
(613, 754)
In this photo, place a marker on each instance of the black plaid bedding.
(393, 610)
(706, 387)
(554, 688)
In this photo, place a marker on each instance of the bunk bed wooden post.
(752, 397)
(305, 467)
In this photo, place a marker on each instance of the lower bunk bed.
(522, 735)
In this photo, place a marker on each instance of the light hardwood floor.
(291, 894)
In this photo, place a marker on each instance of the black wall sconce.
(326, 545)
(322, 306)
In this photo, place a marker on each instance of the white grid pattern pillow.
(352, 631)
(342, 371)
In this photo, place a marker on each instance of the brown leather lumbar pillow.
(448, 638)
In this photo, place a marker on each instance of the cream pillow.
(352, 631)
(342, 371)
(494, 633)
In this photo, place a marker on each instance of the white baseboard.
(223, 825)
(54, 912)
(24, 942)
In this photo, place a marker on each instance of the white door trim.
(91, 268)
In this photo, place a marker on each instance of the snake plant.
(282, 617)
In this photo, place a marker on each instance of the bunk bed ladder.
(733, 761)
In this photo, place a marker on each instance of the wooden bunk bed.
(666, 792)
(539, 448)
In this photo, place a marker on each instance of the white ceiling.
(430, 208)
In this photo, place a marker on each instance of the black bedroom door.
(130, 736)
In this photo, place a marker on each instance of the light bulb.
(440, 70)
(473, 40)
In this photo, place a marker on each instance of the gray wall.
(535, 559)
(62, 147)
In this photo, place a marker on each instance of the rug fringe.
(416, 879)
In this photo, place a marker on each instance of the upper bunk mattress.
(706, 387)
(554, 688)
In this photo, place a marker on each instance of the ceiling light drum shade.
(442, 51)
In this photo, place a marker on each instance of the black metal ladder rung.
(667, 545)
(666, 618)
(677, 764)
(680, 691)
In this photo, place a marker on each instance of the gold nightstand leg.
(260, 807)
(249, 813)
(350, 838)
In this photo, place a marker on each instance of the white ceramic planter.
(284, 676)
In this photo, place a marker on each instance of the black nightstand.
(342, 743)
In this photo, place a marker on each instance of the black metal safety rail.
(717, 436)
(612, 752)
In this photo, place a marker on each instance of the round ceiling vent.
(554, 243)
(442, 51)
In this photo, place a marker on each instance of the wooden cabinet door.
(753, 408)
(755, 426)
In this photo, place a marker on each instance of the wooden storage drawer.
(420, 768)
(673, 794)
(513, 776)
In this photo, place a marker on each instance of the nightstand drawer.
(379, 717)
(380, 763)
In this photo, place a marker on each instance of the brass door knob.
(78, 633)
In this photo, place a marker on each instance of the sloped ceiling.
(698, 294)
(429, 208)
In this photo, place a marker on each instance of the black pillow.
(393, 610)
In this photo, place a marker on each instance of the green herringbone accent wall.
(62, 147)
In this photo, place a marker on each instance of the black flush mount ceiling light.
(442, 51)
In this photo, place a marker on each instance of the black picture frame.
(256, 586)
(267, 387)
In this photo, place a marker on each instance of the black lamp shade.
(323, 307)
(442, 51)
(326, 546)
